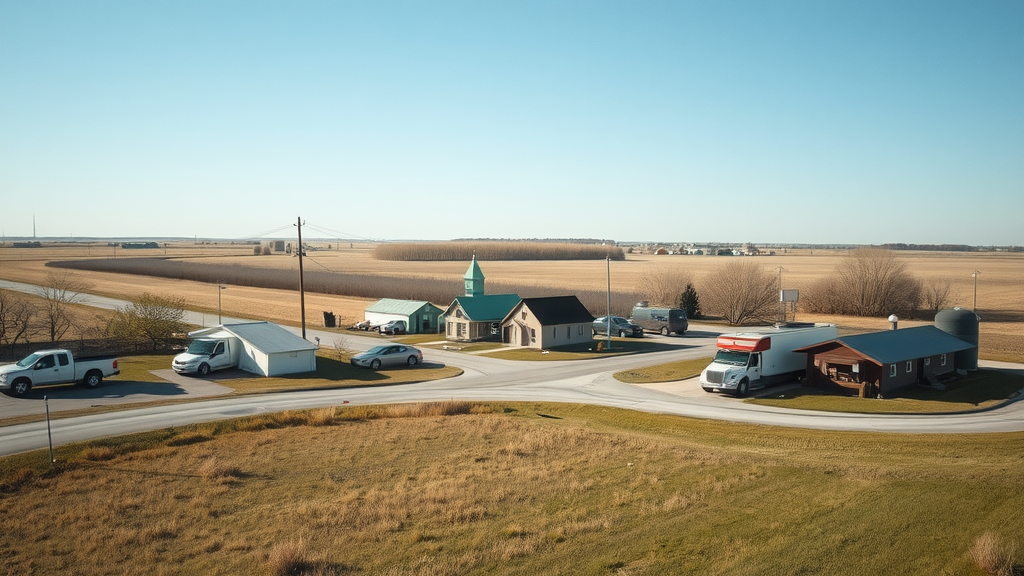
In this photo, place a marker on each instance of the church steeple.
(474, 279)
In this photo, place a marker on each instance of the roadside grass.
(584, 351)
(510, 488)
(668, 372)
(979, 389)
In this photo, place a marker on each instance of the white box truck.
(748, 361)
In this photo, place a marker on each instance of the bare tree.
(149, 316)
(662, 286)
(15, 318)
(938, 294)
(61, 290)
(868, 282)
(740, 291)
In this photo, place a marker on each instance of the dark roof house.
(547, 322)
(883, 362)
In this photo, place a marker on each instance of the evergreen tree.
(690, 301)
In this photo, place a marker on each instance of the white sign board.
(789, 296)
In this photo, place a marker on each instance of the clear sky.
(812, 121)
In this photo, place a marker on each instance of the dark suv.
(619, 326)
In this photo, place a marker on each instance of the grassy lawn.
(976, 390)
(332, 372)
(669, 372)
(510, 488)
(620, 347)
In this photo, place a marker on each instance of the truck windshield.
(28, 360)
(201, 346)
(732, 357)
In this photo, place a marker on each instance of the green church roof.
(488, 308)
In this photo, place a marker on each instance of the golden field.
(1000, 287)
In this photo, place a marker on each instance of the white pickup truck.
(55, 367)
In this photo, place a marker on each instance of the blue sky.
(770, 121)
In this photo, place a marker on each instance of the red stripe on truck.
(744, 344)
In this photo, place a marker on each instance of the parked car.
(388, 355)
(619, 326)
(393, 327)
(364, 325)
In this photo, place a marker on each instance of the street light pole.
(975, 274)
(608, 317)
(219, 288)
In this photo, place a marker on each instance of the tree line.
(866, 282)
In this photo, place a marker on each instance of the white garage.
(266, 349)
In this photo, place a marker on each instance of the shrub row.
(440, 291)
(490, 250)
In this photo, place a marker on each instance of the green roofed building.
(420, 317)
(477, 316)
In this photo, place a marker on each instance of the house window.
(910, 366)
(892, 370)
(942, 360)
(927, 361)
(524, 314)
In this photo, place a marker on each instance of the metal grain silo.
(964, 325)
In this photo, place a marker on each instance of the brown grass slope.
(509, 489)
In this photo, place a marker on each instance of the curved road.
(489, 379)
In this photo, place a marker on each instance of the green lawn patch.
(333, 371)
(584, 351)
(668, 372)
(978, 389)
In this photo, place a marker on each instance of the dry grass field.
(1000, 290)
(456, 489)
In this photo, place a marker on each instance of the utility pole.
(302, 292)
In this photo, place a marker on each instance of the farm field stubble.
(1000, 289)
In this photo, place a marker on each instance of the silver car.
(388, 355)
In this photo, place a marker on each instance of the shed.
(267, 349)
(420, 317)
(883, 362)
(547, 323)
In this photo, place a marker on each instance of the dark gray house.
(883, 362)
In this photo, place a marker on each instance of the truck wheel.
(204, 369)
(681, 332)
(622, 333)
(413, 361)
(742, 389)
(664, 330)
(20, 387)
(375, 365)
(93, 378)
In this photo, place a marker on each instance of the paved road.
(489, 379)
